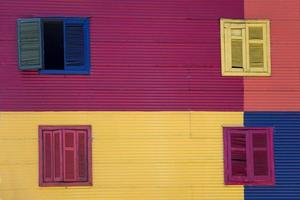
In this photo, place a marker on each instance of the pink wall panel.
(281, 91)
(145, 55)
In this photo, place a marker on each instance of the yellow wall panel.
(136, 155)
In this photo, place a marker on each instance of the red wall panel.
(145, 55)
(281, 91)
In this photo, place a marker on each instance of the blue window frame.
(54, 45)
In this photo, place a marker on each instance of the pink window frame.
(250, 179)
(87, 128)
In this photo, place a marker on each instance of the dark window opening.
(53, 45)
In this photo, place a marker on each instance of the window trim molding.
(227, 163)
(267, 43)
(88, 128)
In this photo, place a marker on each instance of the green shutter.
(29, 42)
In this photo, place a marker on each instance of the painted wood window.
(245, 47)
(65, 155)
(54, 45)
(248, 156)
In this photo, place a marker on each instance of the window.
(65, 155)
(248, 156)
(245, 46)
(54, 45)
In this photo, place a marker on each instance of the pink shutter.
(47, 156)
(69, 139)
(82, 155)
(58, 155)
(262, 151)
(238, 155)
(235, 155)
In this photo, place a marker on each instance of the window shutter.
(262, 151)
(58, 155)
(29, 43)
(82, 155)
(237, 48)
(235, 56)
(238, 155)
(69, 139)
(257, 50)
(47, 156)
(76, 44)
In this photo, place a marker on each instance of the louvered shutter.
(262, 152)
(47, 156)
(29, 44)
(257, 48)
(237, 155)
(82, 155)
(69, 140)
(76, 44)
(237, 48)
(235, 60)
(58, 155)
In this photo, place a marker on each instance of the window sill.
(65, 184)
(246, 73)
(64, 72)
(253, 183)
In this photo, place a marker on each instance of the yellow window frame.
(226, 28)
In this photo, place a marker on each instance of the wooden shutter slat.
(47, 156)
(82, 155)
(29, 43)
(260, 162)
(255, 33)
(238, 156)
(58, 155)
(260, 153)
(69, 139)
(256, 56)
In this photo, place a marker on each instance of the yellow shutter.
(233, 60)
(257, 48)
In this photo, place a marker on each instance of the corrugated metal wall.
(286, 151)
(281, 91)
(146, 55)
(136, 156)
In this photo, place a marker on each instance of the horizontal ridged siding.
(145, 55)
(281, 91)
(135, 156)
(286, 151)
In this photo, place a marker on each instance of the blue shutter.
(29, 44)
(76, 34)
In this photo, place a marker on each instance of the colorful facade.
(155, 99)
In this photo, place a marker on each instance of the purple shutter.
(235, 155)
(82, 145)
(47, 156)
(262, 151)
(238, 156)
(58, 155)
(69, 140)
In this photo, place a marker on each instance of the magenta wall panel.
(145, 55)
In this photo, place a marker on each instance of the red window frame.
(246, 145)
(62, 150)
